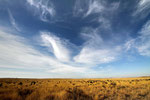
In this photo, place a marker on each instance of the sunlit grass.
(75, 89)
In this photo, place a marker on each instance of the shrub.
(33, 83)
(1, 84)
(20, 83)
(24, 93)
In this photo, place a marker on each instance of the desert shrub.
(90, 81)
(113, 84)
(33, 83)
(102, 96)
(50, 97)
(127, 95)
(20, 83)
(8, 82)
(24, 93)
(73, 84)
(121, 87)
(1, 84)
(103, 86)
(9, 95)
(77, 94)
(35, 95)
(147, 79)
(142, 94)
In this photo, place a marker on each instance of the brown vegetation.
(75, 89)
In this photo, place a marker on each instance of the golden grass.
(75, 89)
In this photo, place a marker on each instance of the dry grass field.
(75, 89)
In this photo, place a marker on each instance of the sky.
(74, 38)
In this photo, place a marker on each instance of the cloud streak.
(13, 22)
(94, 7)
(56, 45)
(141, 43)
(86, 8)
(17, 53)
(95, 51)
(44, 8)
(143, 8)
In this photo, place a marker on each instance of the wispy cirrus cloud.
(94, 7)
(93, 56)
(142, 8)
(56, 45)
(13, 22)
(80, 7)
(129, 44)
(102, 10)
(86, 8)
(17, 53)
(44, 8)
(141, 43)
(89, 7)
(95, 50)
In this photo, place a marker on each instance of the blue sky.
(74, 38)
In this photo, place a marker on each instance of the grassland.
(75, 89)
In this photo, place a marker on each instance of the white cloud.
(143, 42)
(17, 53)
(92, 56)
(99, 7)
(104, 11)
(105, 23)
(129, 44)
(57, 46)
(91, 37)
(44, 7)
(86, 8)
(69, 69)
(145, 30)
(12, 20)
(143, 8)
(94, 7)
(95, 50)
(16, 74)
(80, 7)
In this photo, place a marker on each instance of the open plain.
(75, 89)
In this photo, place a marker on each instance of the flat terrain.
(75, 89)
